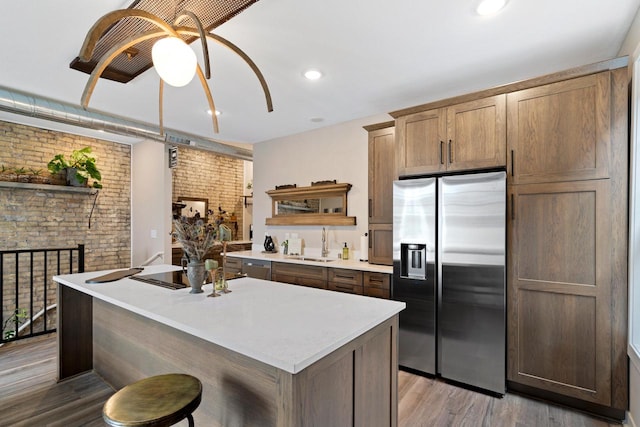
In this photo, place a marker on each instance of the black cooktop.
(171, 279)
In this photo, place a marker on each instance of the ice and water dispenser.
(413, 261)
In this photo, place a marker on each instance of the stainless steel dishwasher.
(256, 268)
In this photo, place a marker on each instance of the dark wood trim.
(619, 167)
(378, 126)
(75, 332)
(611, 64)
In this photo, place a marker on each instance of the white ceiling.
(377, 56)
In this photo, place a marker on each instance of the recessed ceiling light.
(217, 112)
(489, 7)
(312, 74)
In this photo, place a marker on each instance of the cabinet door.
(376, 284)
(561, 131)
(299, 274)
(381, 244)
(382, 172)
(559, 287)
(420, 142)
(477, 133)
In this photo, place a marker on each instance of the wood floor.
(30, 396)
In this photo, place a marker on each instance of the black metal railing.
(28, 293)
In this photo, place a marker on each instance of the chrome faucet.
(325, 246)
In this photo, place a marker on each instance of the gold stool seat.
(161, 400)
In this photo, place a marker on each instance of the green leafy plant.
(82, 161)
(18, 316)
(21, 174)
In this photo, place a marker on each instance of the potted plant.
(79, 168)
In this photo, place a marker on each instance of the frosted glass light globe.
(174, 61)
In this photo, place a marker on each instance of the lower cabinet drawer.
(342, 287)
(377, 292)
(348, 277)
(377, 280)
(377, 284)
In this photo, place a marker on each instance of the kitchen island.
(267, 353)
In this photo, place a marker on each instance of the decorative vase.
(196, 273)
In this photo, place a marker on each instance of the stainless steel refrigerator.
(449, 268)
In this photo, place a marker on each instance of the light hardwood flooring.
(30, 396)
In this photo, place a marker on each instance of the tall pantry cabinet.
(382, 173)
(567, 170)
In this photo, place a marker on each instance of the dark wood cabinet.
(376, 284)
(560, 131)
(299, 274)
(567, 241)
(382, 173)
(465, 136)
(343, 280)
(336, 279)
(381, 244)
(559, 311)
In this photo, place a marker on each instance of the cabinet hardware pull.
(339, 276)
(370, 238)
(442, 152)
(370, 202)
(513, 211)
(450, 153)
(512, 163)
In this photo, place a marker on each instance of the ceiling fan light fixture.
(490, 7)
(174, 61)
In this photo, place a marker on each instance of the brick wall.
(35, 219)
(203, 174)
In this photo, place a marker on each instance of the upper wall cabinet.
(382, 173)
(470, 135)
(560, 131)
(324, 204)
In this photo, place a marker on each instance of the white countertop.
(350, 264)
(286, 326)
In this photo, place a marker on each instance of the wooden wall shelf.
(324, 205)
(48, 187)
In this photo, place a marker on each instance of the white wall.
(633, 38)
(335, 152)
(150, 202)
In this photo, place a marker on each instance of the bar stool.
(161, 400)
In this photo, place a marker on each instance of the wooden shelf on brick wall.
(48, 187)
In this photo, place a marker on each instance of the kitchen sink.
(308, 258)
